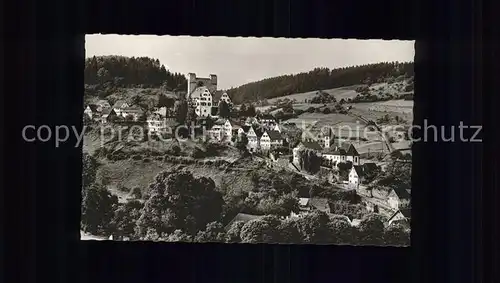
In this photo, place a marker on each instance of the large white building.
(202, 94)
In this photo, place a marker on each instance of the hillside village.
(265, 170)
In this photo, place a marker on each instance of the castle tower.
(213, 83)
(191, 82)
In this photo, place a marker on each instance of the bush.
(174, 150)
(197, 153)
(137, 157)
(146, 160)
(136, 193)
(326, 110)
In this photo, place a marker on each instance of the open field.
(375, 110)
(323, 119)
(339, 93)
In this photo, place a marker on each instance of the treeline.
(319, 78)
(120, 71)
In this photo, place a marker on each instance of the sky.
(239, 60)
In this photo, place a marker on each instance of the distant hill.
(320, 79)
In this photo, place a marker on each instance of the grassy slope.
(339, 93)
(131, 173)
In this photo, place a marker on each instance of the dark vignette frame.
(45, 201)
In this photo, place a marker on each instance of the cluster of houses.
(103, 112)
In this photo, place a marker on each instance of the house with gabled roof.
(219, 96)
(156, 123)
(254, 136)
(310, 204)
(265, 141)
(119, 106)
(91, 111)
(102, 104)
(342, 153)
(243, 130)
(222, 130)
(356, 176)
(305, 145)
(107, 115)
(401, 217)
(323, 136)
(134, 112)
(353, 155)
(275, 138)
(396, 196)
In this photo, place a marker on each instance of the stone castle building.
(203, 95)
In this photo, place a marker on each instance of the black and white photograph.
(247, 140)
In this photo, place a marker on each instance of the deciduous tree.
(224, 109)
(214, 232)
(233, 233)
(180, 201)
(97, 210)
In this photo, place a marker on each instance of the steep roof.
(197, 91)
(311, 145)
(119, 103)
(217, 95)
(401, 216)
(92, 107)
(340, 145)
(352, 151)
(335, 151)
(107, 111)
(245, 128)
(274, 135)
(258, 132)
(320, 204)
(359, 170)
(401, 193)
(406, 212)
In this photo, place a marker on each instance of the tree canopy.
(178, 200)
(123, 71)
